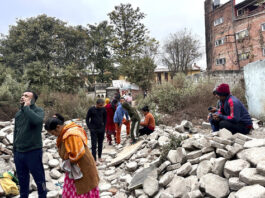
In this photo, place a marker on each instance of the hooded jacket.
(131, 111)
(233, 110)
(119, 113)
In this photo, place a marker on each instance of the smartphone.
(32, 101)
(210, 108)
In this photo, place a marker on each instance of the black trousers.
(26, 163)
(233, 127)
(97, 138)
(145, 131)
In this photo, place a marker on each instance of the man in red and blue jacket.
(232, 114)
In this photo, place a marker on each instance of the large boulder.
(250, 176)
(204, 167)
(218, 165)
(138, 178)
(254, 191)
(166, 179)
(235, 183)
(184, 169)
(253, 155)
(254, 143)
(214, 185)
(225, 134)
(192, 183)
(150, 186)
(177, 187)
(261, 168)
(232, 168)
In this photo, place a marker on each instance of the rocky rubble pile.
(206, 165)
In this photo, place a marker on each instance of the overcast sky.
(163, 17)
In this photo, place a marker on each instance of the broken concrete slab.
(126, 153)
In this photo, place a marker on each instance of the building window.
(166, 76)
(240, 12)
(159, 77)
(219, 42)
(242, 34)
(218, 21)
(244, 56)
(263, 51)
(220, 61)
(263, 27)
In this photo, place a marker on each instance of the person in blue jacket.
(232, 114)
(119, 120)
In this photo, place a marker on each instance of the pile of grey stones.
(206, 165)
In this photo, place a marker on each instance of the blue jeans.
(214, 124)
(30, 162)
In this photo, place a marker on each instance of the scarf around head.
(79, 132)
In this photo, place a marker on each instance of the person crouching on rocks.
(72, 147)
(148, 124)
(232, 114)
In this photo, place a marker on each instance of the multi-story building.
(234, 33)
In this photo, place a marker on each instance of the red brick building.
(234, 33)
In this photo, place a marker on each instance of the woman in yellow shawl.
(72, 146)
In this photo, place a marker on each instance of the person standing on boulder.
(27, 146)
(232, 114)
(96, 122)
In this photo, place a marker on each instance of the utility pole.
(237, 56)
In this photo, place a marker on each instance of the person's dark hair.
(113, 104)
(114, 101)
(59, 116)
(122, 98)
(100, 101)
(145, 109)
(129, 94)
(35, 96)
(51, 123)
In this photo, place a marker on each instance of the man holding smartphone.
(232, 114)
(27, 146)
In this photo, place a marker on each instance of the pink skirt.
(69, 190)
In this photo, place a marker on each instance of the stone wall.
(232, 78)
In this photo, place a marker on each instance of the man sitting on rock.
(232, 114)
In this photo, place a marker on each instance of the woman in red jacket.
(110, 126)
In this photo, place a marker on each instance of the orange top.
(75, 140)
(149, 121)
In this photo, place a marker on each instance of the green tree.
(134, 50)
(130, 33)
(101, 37)
(44, 44)
(142, 72)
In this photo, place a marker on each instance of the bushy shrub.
(69, 105)
(182, 99)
